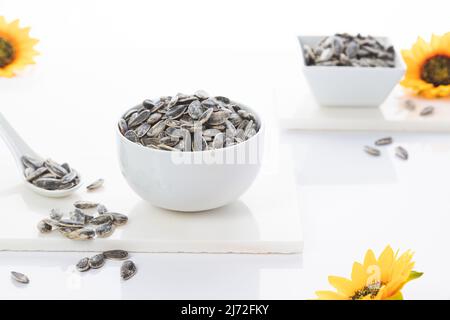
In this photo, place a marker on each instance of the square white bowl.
(350, 86)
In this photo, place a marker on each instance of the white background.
(98, 57)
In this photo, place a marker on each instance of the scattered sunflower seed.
(116, 254)
(128, 270)
(401, 153)
(97, 261)
(95, 185)
(383, 141)
(427, 111)
(44, 227)
(83, 265)
(372, 151)
(19, 277)
(410, 105)
(85, 204)
(79, 225)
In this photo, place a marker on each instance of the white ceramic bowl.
(191, 181)
(350, 86)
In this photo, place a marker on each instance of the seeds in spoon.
(49, 175)
(95, 185)
(372, 151)
(19, 277)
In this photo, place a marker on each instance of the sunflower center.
(371, 289)
(6, 52)
(436, 70)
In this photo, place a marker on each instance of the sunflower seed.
(401, 153)
(105, 230)
(34, 174)
(83, 265)
(19, 277)
(102, 219)
(95, 185)
(410, 105)
(85, 204)
(44, 227)
(372, 151)
(32, 163)
(82, 234)
(427, 111)
(131, 135)
(118, 218)
(72, 175)
(101, 209)
(115, 254)
(139, 118)
(56, 214)
(383, 141)
(97, 261)
(128, 270)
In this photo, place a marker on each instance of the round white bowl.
(191, 181)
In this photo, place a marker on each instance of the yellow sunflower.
(374, 279)
(428, 67)
(16, 48)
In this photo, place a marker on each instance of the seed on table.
(44, 227)
(83, 265)
(97, 261)
(410, 105)
(401, 153)
(116, 254)
(95, 185)
(102, 219)
(128, 270)
(372, 151)
(85, 204)
(383, 141)
(101, 209)
(19, 277)
(427, 111)
(105, 230)
(118, 218)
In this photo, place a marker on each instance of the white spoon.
(18, 149)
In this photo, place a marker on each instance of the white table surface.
(349, 201)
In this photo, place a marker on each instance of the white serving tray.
(301, 111)
(265, 220)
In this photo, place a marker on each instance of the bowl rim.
(400, 64)
(260, 131)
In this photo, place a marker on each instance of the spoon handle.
(15, 143)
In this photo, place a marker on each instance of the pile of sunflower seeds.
(188, 123)
(97, 261)
(49, 175)
(400, 152)
(80, 225)
(343, 49)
